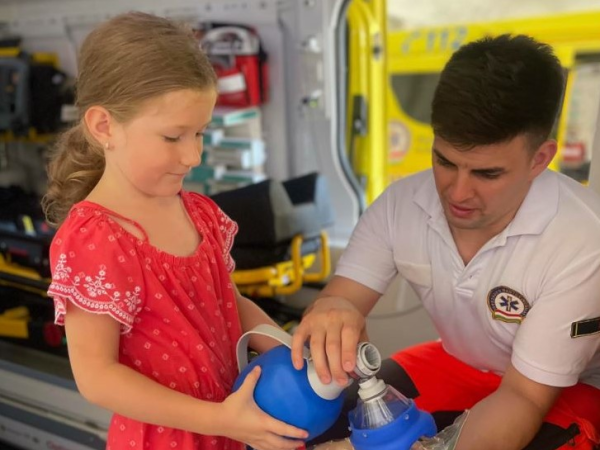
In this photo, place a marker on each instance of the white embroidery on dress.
(96, 287)
(61, 272)
(228, 229)
(87, 291)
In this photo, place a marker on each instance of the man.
(504, 255)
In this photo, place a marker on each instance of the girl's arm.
(93, 341)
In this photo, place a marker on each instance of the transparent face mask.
(379, 404)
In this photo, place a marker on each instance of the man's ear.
(542, 157)
(98, 122)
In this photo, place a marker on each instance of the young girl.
(141, 268)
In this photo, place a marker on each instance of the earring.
(106, 146)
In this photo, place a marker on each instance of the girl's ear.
(98, 122)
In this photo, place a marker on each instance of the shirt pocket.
(417, 275)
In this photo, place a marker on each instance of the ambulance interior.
(323, 104)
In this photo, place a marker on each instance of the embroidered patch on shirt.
(585, 327)
(507, 305)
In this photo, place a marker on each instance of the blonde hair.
(124, 62)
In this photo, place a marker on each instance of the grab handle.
(268, 331)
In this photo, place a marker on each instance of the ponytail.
(75, 167)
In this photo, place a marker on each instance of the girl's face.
(154, 151)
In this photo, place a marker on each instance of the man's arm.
(334, 324)
(509, 418)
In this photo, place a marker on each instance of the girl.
(141, 268)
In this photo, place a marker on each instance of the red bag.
(240, 63)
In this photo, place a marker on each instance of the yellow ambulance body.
(414, 59)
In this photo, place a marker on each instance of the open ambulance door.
(363, 88)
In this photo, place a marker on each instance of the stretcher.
(282, 242)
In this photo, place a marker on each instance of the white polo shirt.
(531, 295)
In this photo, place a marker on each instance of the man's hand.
(333, 326)
(509, 418)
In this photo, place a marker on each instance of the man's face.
(482, 189)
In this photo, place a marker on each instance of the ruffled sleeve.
(220, 225)
(96, 268)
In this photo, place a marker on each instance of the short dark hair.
(497, 88)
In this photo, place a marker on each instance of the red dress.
(178, 315)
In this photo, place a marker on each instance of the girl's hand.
(244, 421)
